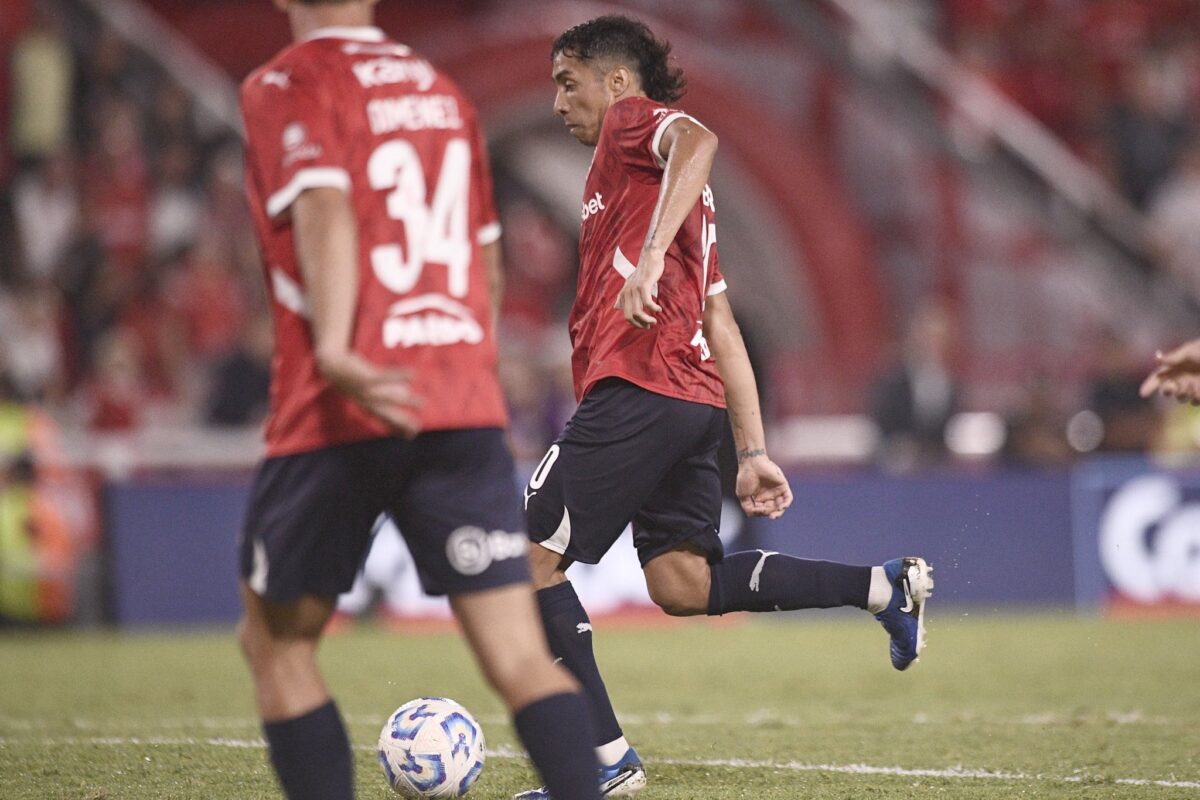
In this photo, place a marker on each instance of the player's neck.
(307, 19)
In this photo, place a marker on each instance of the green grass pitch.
(1040, 705)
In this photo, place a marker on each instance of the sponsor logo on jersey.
(278, 78)
(472, 550)
(296, 145)
(386, 71)
(430, 320)
(592, 206)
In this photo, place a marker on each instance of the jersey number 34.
(434, 234)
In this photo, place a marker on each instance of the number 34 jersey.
(349, 109)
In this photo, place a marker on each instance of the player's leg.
(617, 446)
(462, 521)
(688, 573)
(549, 713)
(305, 736)
(307, 529)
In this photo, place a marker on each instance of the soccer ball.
(431, 747)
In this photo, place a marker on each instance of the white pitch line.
(950, 773)
(634, 719)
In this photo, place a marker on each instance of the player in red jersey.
(657, 359)
(372, 199)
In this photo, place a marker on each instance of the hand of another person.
(762, 488)
(1177, 374)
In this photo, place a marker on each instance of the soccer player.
(372, 199)
(1177, 374)
(657, 360)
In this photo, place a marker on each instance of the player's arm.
(1177, 374)
(689, 149)
(762, 488)
(493, 261)
(326, 241)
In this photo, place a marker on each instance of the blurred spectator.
(1129, 422)
(242, 379)
(1037, 433)
(176, 207)
(915, 398)
(1149, 125)
(1174, 220)
(46, 211)
(43, 68)
(170, 117)
(115, 397)
(30, 348)
(116, 184)
(209, 298)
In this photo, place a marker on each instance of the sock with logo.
(311, 755)
(759, 580)
(558, 735)
(569, 632)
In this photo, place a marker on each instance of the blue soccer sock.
(311, 755)
(569, 632)
(759, 580)
(558, 735)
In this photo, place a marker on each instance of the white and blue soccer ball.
(431, 747)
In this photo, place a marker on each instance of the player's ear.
(619, 80)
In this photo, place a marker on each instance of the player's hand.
(762, 488)
(636, 300)
(385, 393)
(1177, 374)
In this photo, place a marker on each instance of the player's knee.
(253, 642)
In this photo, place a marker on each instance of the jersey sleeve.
(488, 230)
(716, 282)
(293, 141)
(637, 131)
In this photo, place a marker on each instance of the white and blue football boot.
(904, 618)
(621, 779)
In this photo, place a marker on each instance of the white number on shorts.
(435, 234)
(543, 469)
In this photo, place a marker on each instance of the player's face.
(582, 98)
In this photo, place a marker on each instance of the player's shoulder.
(633, 111)
(289, 67)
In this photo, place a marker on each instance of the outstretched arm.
(762, 488)
(326, 241)
(1177, 375)
(689, 149)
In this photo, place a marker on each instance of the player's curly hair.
(622, 38)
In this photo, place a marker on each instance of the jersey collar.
(361, 34)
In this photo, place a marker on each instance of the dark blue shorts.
(451, 493)
(629, 455)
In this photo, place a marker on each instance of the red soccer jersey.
(621, 191)
(347, 108)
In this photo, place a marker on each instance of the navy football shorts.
(629, 455)
(451, 494)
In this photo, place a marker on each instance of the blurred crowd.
(1118, 81)
(132, 289)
